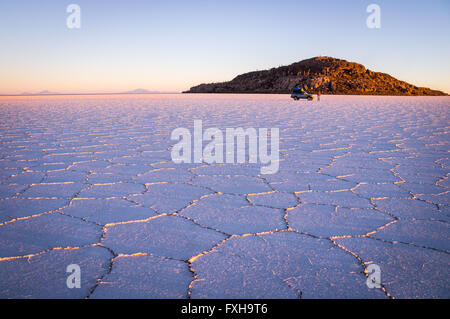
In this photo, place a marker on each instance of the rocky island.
(320, 74)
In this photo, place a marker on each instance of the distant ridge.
(320, 74)
(46, 92)
(136, 91)
(141, 91)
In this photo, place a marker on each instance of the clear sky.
(171, 45)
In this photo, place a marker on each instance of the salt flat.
(89, 180)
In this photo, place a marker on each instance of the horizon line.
(95, 93)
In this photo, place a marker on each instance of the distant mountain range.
(320, 74)
(142, 91)
(45, 92)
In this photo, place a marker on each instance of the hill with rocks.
(320, 74)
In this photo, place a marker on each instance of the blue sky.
(172, 45)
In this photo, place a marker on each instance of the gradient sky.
(172, 45)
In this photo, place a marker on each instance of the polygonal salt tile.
(381, 190)
(363, 160)
(265, 267)
(417, 179)
(126, 171)
(112, 190)
(156, 156)
(343, 199)
(427, 189)
(331, 184)
(131, 160)
(106, 211)
(274, 199)
(171, 164)
(86, 166)
(372, 176)
(65, 176)
(228, 169)
(13, 208)
(406, 271)
(45, 167)
(43, 232)
(105, 178)
(145, 276)
(287, 174)
(328, 221)
(434, 234)
(232, 215)
(26, 178)
(57, 190)
(11, 167)
(327, 288)
(237, 184)
(164, 175)
(9, 190)
(292, 163)
(442, 199)
(435, 171)
(410, 208)
(107, 154)
(45, 276)
(169, 198)
(167, 236)
(362, 175)
(68, 158)
(296, 182)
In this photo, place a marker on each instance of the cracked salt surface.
(88, 180)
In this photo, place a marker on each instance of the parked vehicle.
(298, 94)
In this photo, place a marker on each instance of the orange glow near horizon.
(166, 46)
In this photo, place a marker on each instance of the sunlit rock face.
(320, 74)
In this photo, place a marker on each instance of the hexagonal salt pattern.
(89, 181)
